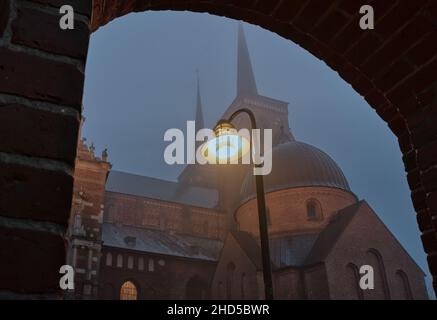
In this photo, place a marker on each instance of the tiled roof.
(132, 184)
(160, 242)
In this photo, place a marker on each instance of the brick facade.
(394, 67)
(287, 209)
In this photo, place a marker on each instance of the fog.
(141, 81)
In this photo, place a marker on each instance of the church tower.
(84, 235)
(269, 113)
(198, 175)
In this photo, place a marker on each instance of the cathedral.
(137, 237)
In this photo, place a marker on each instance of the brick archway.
(394, 67)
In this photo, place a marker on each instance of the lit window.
(109, 259)
(128, 291)
(151, 265)
(141, 264)
(120, 261)
(161, 262)
(130, 262)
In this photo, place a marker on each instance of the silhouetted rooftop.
(160, 242)
(132, 184)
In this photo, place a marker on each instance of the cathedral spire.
(199, 112)
(245, 78)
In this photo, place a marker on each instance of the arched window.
(243, 286)
(128, 291)
(229, 280)
(314, 210)
(151, 265)
(380, 275)
(119, 261)
(354, 274)
(130, 262)
(141, 263)
(405, 284)
(109, 259)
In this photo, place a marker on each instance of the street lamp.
(227, 144)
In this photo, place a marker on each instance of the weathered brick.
(410, 161)
(363, 49)
(352, 7)
(398, 125)
(423, 51)
(80, 6)
(405, 142)
(429, 179)
(30, 261)
(425, 78)
(399, 14)
(429, 240)
(376, 99)
(403, 97)
(39, 133)
(41, 79)
(387, 112)
(349, 73)
(399, 71)
(37, 194)
(331, 25)
(362, 85)
(413, 178)
(4, 15)
(432, 202)
(311, 13)
(424, 220)
(287, 10)
(266, 6)
(348, 37)
(427, 155)
(49, 36)
(419, 200)
(432, 262)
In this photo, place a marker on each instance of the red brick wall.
(41, 80)
(288, 211)
(167, 281)
(366, 232)
(41, 84)
(232, 253)
(158, 214)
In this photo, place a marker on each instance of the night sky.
(141, 81)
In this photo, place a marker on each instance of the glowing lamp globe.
(227, 146)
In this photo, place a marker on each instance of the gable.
(367, 231)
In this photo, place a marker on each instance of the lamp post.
(225, 128)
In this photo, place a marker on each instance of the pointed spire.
(199, 112)
(245, 78)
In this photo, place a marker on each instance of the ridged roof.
(297, 164)
(147, 187)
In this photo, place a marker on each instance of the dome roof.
(297, 164)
